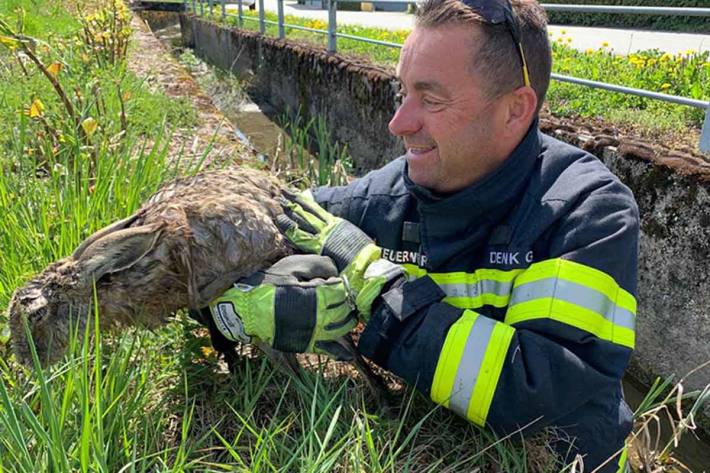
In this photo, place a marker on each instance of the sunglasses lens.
(492, 11)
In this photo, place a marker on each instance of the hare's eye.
(37, 315)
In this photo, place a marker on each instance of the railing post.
(224, 9)
(705, 134)
(262, 25)
(210, 5)
(240, 13)
(194, 7)
(280, 10)
(332, 26)
(202, 8)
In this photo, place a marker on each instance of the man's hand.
(297, 305)
(359, 261)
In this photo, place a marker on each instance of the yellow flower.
(605, 44)
(36, 109)
(89, 125)
(666, 57)
(569, 40)
(589, 51)
(665, 86)
(563, 32)
(54, 68)
(208, 352)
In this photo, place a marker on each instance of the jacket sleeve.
(567, 333)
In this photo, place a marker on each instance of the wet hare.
(184, 247)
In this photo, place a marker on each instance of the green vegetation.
(689, 24)
(686, 75)
(88, 148)
(86, 144)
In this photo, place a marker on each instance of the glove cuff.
(344, 243)
(378, 279)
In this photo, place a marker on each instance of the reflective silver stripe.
(483, 286)
(470, 365)
(576, 294)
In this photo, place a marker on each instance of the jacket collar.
(450, 224)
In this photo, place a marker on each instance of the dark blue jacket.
(521, 305)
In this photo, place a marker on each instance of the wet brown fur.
(186, 245)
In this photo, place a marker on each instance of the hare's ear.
(117, 251)
(114, 227)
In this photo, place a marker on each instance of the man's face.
(448, 124)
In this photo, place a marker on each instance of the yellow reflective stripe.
(471, 290)
(489, 373)
(450, 357)
(576, 295)
(581, 274)
(413, 271)
(470, 364)
(571, 314)
(563, 290)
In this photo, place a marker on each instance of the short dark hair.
(497, 59)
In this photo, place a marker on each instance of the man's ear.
(521, 109)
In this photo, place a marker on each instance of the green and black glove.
(297, 305)
(311, 228)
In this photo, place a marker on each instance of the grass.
(162, 401)
(686, 75)
(85, 153)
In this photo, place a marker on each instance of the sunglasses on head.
(500, 12)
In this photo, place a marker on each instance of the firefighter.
(494, 267)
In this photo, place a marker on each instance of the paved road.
(622, 41)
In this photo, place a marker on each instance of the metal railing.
(333, 36)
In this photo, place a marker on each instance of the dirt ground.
(150, 59)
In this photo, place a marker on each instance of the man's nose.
(406, 120)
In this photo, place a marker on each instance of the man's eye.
(431, 103)
(399, 97)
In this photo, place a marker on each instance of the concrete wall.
(359, 98)
(673, 190)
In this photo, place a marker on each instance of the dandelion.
(665, 86)
(605, 44)
(589, 51)
(563, 32)
(569, 40)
